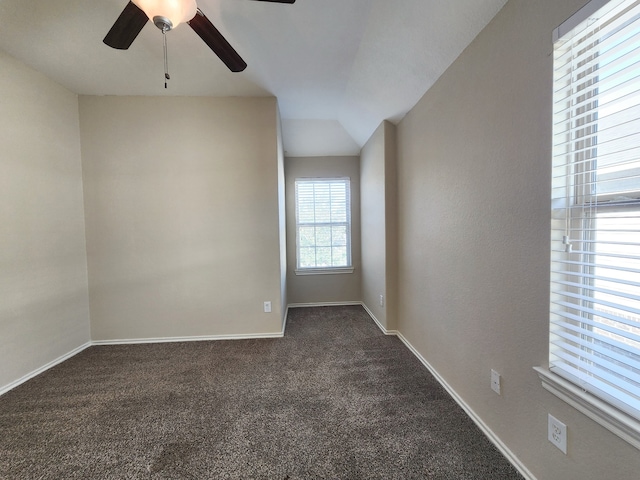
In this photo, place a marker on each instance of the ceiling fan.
(168, 14)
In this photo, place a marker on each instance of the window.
(594, 339)
(323, 225)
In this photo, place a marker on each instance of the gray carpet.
(333, 399)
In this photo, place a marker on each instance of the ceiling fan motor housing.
(163, 23)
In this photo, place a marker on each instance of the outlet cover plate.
(558, 433)
(495, 382)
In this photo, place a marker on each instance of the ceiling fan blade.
(126, 28)
(277, 1)
(216, 42)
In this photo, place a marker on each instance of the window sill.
(323, 271)
(617, 422)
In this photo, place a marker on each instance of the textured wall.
(378, 215)
(44, 311)
(474, 185)
(282, 221)
(181, 200)
(323, 288)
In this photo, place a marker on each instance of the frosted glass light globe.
(177, 11)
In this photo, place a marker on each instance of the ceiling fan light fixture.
(173, 11)
(168, 14)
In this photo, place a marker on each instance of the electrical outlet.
(382, 300)
(495, 382)
(267, 307)
(558, 433)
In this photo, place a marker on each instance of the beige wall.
(181, 201)
(44, 311)
(378, 222)
(391, 220)
(474, 180)
(305, 289)
(282, 219)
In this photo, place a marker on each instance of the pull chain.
(166, 58)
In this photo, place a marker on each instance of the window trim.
(620, 423)
(577, 18)
(330, 270)
(324, 271)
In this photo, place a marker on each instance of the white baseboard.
(203, 338)
(4, 389)
(524, 471)
(343, 304)
(323, 304)
(44, 368)
(377, 322)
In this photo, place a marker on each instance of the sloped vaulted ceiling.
(337, 67)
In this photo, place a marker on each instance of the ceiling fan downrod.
(164, 24)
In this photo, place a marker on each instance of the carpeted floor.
(333, 399)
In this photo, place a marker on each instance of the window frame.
(580, 196)
(324, 270)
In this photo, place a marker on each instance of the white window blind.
(595, 242)
(323, 223)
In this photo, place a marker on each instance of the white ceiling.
(337, 67)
